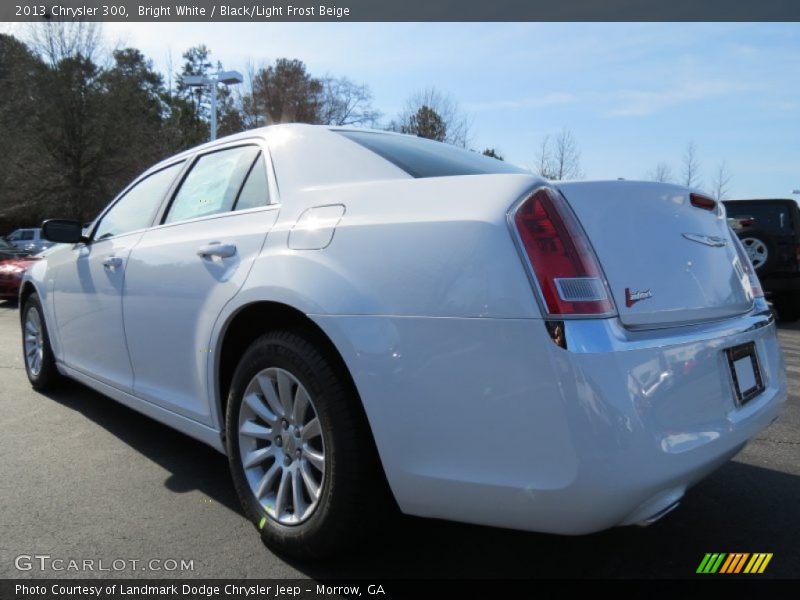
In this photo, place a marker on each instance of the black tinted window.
(425, 158)
(771, 217)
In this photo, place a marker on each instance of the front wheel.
(300, 452)
(40, 364)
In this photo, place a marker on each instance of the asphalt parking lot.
(83, 477)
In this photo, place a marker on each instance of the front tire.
(40, 364)
(300, 452)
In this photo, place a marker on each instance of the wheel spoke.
(299, 503)
(315, 457)
(311, 430)
(270, 395)
(256, 457)
(283, 494)
(312, 487)
(254, 430)
(268, 479)
(257, 405)
(300, 405)
(285, 392)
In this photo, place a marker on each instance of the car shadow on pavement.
(192, 465)
(740, 508)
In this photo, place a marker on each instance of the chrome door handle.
(217, 249)
(112, 263)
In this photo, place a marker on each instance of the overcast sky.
(632, 94)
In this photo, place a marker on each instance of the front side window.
(212, 185)
(26, 235)
(136, 209)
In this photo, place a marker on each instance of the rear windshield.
(772, 217)
(425, 158)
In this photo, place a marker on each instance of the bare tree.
(345, 102)
(661, 173)
(54, 41)
(722, 179)
(544, 160)
(690, 176)
(457, 127)
(560, 158)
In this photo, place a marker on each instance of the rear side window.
(772, 217)
(21, 235)
(425, 158)
(212, 184)
(255, 191)
(136, 209)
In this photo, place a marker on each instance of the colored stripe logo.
(734, 562)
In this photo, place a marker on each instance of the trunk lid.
(667, 262)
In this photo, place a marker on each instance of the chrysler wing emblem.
(709, 240)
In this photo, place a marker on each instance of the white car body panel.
(88, 295)
(477, 414)
(168, 350)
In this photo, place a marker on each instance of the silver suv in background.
(30, 240)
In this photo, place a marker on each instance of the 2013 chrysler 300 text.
(359, 317)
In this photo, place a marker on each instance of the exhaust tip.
(658, 516)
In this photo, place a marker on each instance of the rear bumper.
(488, 421)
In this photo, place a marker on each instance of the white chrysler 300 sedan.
(359, 318)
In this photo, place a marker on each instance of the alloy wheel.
(281, 446)
(34, 341)
(756, 251)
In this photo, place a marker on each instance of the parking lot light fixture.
(223, 77)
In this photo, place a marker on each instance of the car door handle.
(217, 249)
(112, 263)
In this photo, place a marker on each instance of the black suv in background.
(770, 232)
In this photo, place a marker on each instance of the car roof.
(265, 133)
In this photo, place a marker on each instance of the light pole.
(224, 77)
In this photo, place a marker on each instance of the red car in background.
(11, 271)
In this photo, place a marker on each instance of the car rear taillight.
(562, 261)
(747, 267)
(704, 202)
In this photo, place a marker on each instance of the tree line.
(77, 123)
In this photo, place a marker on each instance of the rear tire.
(37, 354)
(760, 247)
(279, 372)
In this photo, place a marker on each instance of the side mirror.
(63, 231)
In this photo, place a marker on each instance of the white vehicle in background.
(347, 313)
(28, 240)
